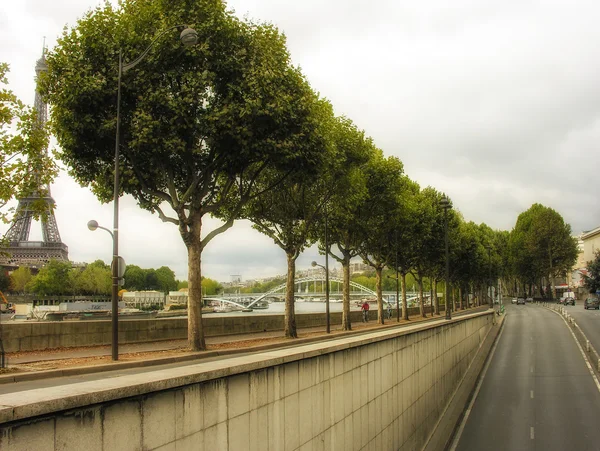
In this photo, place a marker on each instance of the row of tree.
(231, 128)
(61, 278)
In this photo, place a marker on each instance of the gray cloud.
(495, 103)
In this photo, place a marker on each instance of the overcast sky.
(496, 103)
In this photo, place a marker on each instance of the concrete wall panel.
(383, 391)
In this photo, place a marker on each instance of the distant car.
(592, 303)
(520, 301)
(569, 301)
(514, 301)
(529, 299)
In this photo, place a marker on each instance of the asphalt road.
(537, 393)
(588, 321)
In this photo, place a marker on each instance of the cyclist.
(365, 311)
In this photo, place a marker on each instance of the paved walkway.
(157, 346)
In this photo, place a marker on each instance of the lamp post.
(188, 38)
(326, 268)
(93, 225)
(446, 205)
(491, 300)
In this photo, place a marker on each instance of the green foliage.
(541, 245)
(592, 280)
(94, 279)
(53, 279)
(211, 287)
(263, 287)
(161, 279)
(5, 280)
(19, 279)
(24, 163)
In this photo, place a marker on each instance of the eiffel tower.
(20, 251)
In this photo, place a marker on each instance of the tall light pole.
(491, 300)
(188, 38)
(446, 205)
(326, 268)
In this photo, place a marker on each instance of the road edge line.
(585, 358)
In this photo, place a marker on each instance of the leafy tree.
(384, 188)
(5, 281)
(541, 245)
(428, 239)
(95, 279)
(182, 284)
(19, 279)
(402, 243)
(592, 280)
(53, 279)
(290, 214)
(166, 279)
(24, 164)
(344, 231)
(210, 286)
(135, 278)
(199, 125)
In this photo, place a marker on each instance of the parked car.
(520, 301)
(514, 301)
(569, 301)
(592, 303)
(529, 299)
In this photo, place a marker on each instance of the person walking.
(389, 311)
(365, 310)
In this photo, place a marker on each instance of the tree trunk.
(453, 299)
(195, 331)
(431, 301)
(436, 300)
(380, 316)
(346, 324)
(404, 302)
(460, 296)
(421, 300)
(290, 313)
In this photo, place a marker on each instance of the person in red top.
(365, 310)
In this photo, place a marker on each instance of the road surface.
(537, 393)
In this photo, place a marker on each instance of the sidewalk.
(177, 350)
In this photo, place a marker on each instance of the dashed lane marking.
(532, 433)
(531, 393)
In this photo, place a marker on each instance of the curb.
(445, 430)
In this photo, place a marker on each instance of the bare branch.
(216, 232)
(166, 218)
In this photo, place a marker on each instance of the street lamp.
(491, 300)
(188, 38)
(313, 264)
(446, 205)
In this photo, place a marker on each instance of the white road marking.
(480, 383)
(531, 369)
(587, 362)
(531, 394)
(531, 433)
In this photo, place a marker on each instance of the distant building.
(144, 299)
(359, 268)
(591, 244)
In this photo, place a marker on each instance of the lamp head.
(445, 203)
(188, 37)
(92, 225)
(313, 264)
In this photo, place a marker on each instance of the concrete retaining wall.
(381, 391)
(37, 336)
